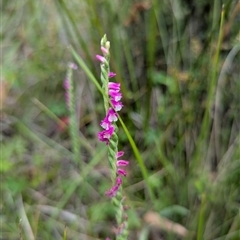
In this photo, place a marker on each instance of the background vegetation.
(178, 65)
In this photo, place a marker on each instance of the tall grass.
(177, 63)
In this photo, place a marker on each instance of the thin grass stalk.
(150, 48)
(73, 119)
(41, 139)
(71, 188)
(215, 65)
(87, 71)
(218, 98)
(116, 50)
(47, 111)
(77, 181)
(215, 18)
(95, 20)
(151, 30)
(162, 26)
(139, 159)
(69, 16)
(20, 229)
(205, 127)
(65, 233)
(130, 64)
(201, 218)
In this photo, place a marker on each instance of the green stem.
(139, 159)
(73, 119)
(70, 18)
(204, 132)
(104, 79)
(87, 70)
(201, 218)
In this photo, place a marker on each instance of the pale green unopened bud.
(104, 40)
(107, 45)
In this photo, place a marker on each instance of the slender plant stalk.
(73, 119)
(201, 218)
(139, 159)
(69, 17)
(112, 144)
(204, 132)
(65, 233)
(151, 46)
(104, 75)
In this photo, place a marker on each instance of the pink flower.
(66, 84)
(111, 74)
(115, 95)
(117, 105)
(119, 154)
(104, 50)
(109, 132)
(113, 191)
(122, 163)
(105, 135)
(118, 181)
(114, 86)
(105, 124)
(72, 65)
(100, 58)
(102, 138)
(111, 115)
(121, 172)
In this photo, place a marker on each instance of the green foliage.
(169, 212)
(181, 140)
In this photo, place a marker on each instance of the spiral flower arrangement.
(112, 101)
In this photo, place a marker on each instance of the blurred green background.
(179, 72)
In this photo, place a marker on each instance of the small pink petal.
(72, 65)
(104, 50)
(102, 138)
(121, 172)
(113, 91)
(116, 96)
(100, 58)
(66, 84)
(117, 105)
(119, 154)
(113, 191)
(106, 134)
(114, 86)
(111, 74)
(105, 124)
(118, 181)
(111, 115)
(112, 118)
(122, 163)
